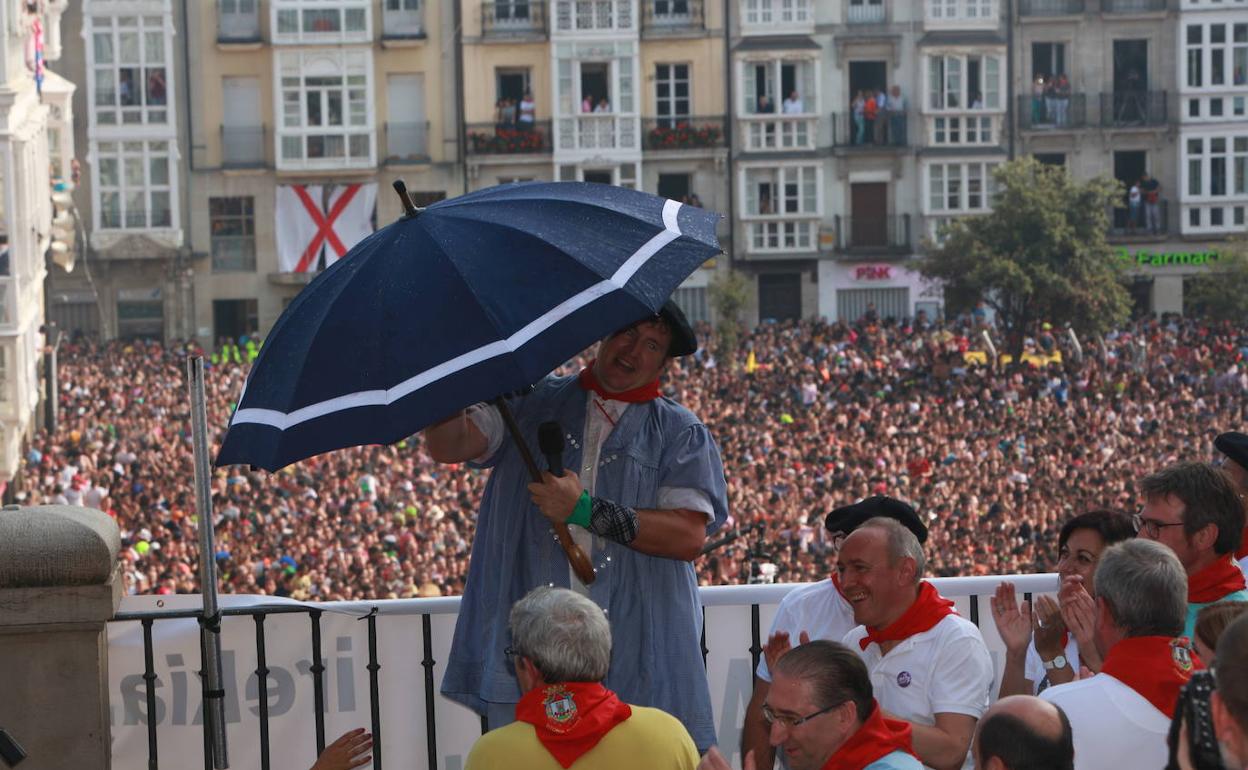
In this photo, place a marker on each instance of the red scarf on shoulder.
(1156, 667)
(928, 609)
(647, 392)
(1215, 581)
(571, 717)
(878, 737)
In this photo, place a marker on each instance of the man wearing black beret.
(815, 611)
(1234, 447)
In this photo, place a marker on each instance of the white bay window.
(130, 78)
(134, 184)
(321, 21)
(326, 115)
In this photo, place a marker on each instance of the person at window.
(1063, 100)
(587, 104)
(1151, 189)
(1050, 100)
(765, 104)
(858, 111)
(603, 105)
(896, 116)
(793, 104)
(509, 113)
(870, 111)
(125, 88)
(5, 269)
(1135, 206)
(528, 112)
(156, 86)
(880, 136)
(1037, 100)
(977, 101)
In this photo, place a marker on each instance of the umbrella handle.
(576, 556)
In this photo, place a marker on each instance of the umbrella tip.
(408, 208)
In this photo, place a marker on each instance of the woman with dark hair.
(1040, 648)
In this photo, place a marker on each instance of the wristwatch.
(1055, 664)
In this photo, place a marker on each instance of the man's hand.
(715, 761)
(349, 751)
(556, 496)
(1013, 620)
(778, 645)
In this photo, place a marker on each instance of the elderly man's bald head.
(1023, 732)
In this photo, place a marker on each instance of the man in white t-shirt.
(1121, 716)
(929, 666)
(814, 611)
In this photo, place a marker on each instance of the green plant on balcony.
(683, 136)
(506, 141)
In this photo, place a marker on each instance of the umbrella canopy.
(458, 303)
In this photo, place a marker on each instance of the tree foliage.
(730, 292)
(1221, 292)
(1040, 255)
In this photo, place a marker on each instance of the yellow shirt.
(650, 738)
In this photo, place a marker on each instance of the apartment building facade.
(837, 136)
(36, 219)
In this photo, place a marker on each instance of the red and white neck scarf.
(1156, 667)
(571, 717)
(647, 392)
(878, 737)
(928, 609)
(1215, 581)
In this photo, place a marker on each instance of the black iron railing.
(238, 21)
(508, 138)
(659, 15)
(1143, 221)
(888, 129)
(1132, 107)
(1133, 6)
(501, 18)
(873, 233)
(1050, 7)
(683, 133)
(1039, 112)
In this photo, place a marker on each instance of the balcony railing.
(148, 644)
(572, 16)
(1142, 222)
(867, 13)
(1133, 6)
(1051, 7)
(690, 133)
(489, 139)
(238, 21)
(597, 132)
(407, 142)
(242, 146)
(776, 235)
(671, 15)
(1133, 108)
(763, 133)
(1041, 113)
(503, 18)
(402, 18)
(888, 130)
(233, 253)
(873, 233)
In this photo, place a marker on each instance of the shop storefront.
(1158, 272)
(848, 289)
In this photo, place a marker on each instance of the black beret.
(1234, 445)
(684, 341)
(848, 518)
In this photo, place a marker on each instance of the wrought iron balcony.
(1126, 223)
(513, 18)
(1044, 113)
(889, 130)
(683, 133)
(873, 234)
(1133, 6)
(238, 21)
(671, 15)
(491, 139)
(1133, 108)
(243, 146)
(1051, 7)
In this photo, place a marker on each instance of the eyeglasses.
(1152, 527)
(791, 722)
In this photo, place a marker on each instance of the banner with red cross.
(305, 227)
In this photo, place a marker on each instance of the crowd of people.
(809, 416)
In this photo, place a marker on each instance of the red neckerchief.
(1243, 546)
(1215, 581)
(928, 610)
(647, 392)
(1156, 667)
(878, 737)
(571, 717)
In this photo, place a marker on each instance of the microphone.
(550, 441)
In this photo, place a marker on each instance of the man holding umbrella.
(644, 487)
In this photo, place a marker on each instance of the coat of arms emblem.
(560, 708)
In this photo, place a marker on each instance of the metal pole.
(51, 390)
(214, 705)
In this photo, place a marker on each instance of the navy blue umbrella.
(457, 303)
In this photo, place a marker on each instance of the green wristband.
(581, 513)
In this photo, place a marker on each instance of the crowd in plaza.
(812, 416)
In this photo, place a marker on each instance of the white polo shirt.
(818, 609)
(1035, 672)
(1113, 725)
(944, 670)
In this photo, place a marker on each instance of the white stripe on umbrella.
(284, 420)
